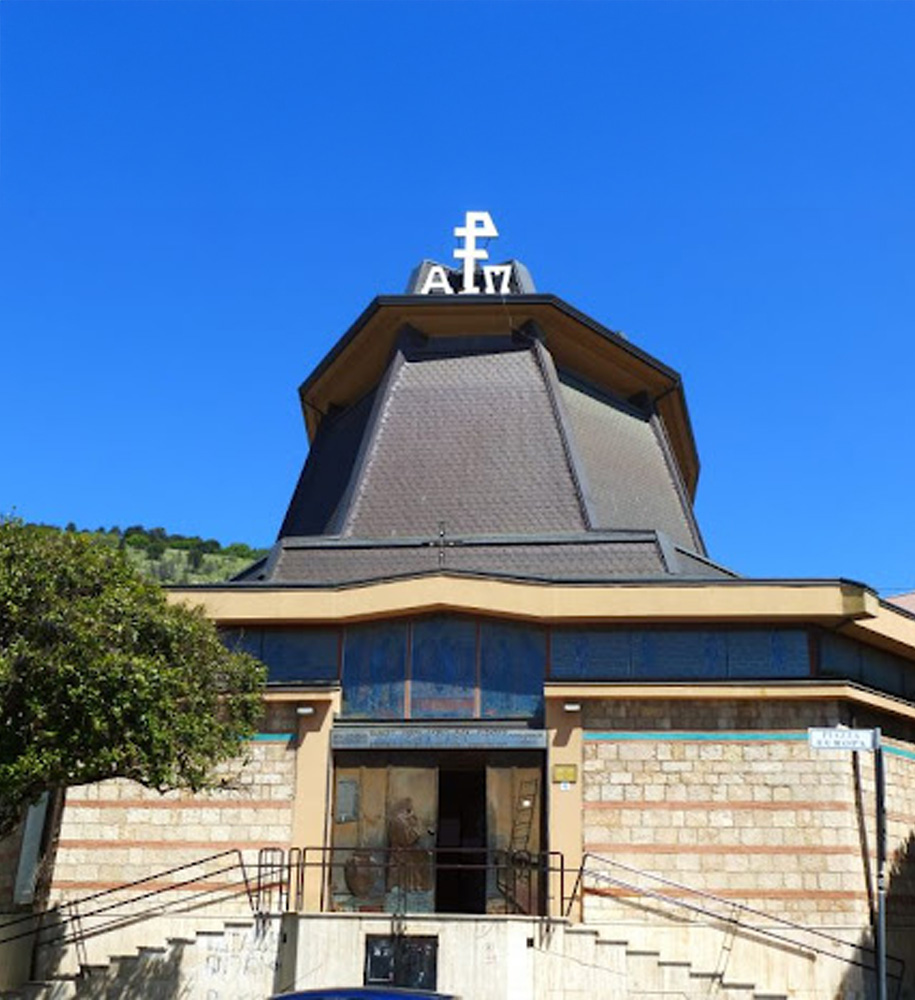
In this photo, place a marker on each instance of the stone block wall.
(727, 797)
(117, 831)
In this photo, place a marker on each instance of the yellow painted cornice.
(844, 606)
(828, 602)
(305, 695)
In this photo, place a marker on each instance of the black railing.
(143, 899)
(523, 882)
(736, 915)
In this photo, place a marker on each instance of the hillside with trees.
(172, 559)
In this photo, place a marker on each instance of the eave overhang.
(577, 343)
(849, 608)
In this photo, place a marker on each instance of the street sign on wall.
(840, 738)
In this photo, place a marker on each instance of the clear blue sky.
(197, 198)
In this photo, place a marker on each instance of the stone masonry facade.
(727, 797)
(117, 831)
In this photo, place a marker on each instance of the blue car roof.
(364, 993)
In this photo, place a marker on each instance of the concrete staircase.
(594, 965)
(239, 961)
(235, 963)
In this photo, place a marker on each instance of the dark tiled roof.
(472, 457)
(468, 441)
(690, 564)
(601, 557)
(328, 468)
(628, 480)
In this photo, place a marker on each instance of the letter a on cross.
(476, 225)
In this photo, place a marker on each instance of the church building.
(524, 737)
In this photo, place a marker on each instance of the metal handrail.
(75, 904)
(127, 919)
(270, 860)
(277, 871)
(733, 905)
(328, 858)
(284, 872)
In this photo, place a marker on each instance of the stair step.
(124, 965)
(43, 989)
(588, 932)
(39, 988)
(643, 977)
(33, 991)
(176, 964)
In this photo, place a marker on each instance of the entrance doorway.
(460, 882)
(447, 831)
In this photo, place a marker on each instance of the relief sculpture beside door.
(383, 836)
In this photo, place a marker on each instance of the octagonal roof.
(579, 346)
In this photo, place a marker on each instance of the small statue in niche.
(410, 867)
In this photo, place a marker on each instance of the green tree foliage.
(101, 677)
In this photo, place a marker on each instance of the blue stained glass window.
(300, 654)
(843, 657)
(512, 667)
(768, 653)
(443, 675)
(676, 655)
(374, 670)
(882, 671)
(590, 654)
(243, 640)
(839, 657)
(291, 655)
